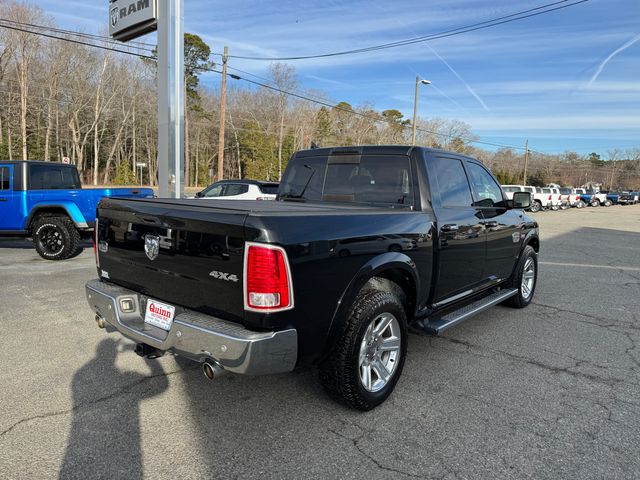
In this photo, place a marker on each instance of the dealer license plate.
(159, 314)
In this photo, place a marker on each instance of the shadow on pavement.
(104, 441)
(27, 244)
(16, 242)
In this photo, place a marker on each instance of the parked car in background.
(613, 197)
(240, 190)
(509, 190)
(629, 198)
(552, 198)
(45, 200)
(602, 199)
(538, 201)
(572, 197)
(588, 197)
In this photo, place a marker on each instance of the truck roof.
(372, 150)
(36, 162)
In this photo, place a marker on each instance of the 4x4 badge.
(227, 277)
(151, 246)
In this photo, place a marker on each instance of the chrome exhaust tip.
(100, 321)
(212, 370)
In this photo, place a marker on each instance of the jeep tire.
(55, 237)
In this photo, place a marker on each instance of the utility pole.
(223, 104)
(526, 161)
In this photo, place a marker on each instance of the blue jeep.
(45, 201)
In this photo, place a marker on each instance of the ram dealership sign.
(129, 19)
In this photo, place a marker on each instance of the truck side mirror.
(521, 200)
(199, 194)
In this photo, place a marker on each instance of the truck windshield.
(377, 179)
(53, 177)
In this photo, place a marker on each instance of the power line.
(103, 47)
(142, 45)
(532, 12)
(270, 87)
(364, 115)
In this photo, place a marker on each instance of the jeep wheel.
(608, 203)
(595, 203)
(524, 278)
(55, 238)
(536, 206)
(367, 359)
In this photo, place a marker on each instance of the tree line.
(98, 107)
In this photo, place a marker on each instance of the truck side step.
(447, 321)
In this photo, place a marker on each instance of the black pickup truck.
(362, 243)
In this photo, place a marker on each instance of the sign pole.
(170, 98)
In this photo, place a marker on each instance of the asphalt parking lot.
(551, 391)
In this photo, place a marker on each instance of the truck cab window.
(452, 182)
(488, 191)
(378, 179)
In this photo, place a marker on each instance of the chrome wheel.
(379, 352)
(528, 278)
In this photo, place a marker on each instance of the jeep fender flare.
(70, 208)
(384, 263)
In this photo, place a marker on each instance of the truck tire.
(595, 203)
(55, 238)
(524, 278)
(608, 203)
(366, 361)
(536, 206)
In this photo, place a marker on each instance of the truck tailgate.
(199, 257)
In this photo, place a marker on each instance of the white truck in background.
(541, 198)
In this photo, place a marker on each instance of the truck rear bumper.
(195, 335)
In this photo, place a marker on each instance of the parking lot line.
(586, 265)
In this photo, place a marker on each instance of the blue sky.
(567, 80)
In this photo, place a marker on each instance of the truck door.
(10, 218)
(461, 246)
(502, 226)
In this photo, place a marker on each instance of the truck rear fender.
(69, 209)
(391, 271)
(531, 239)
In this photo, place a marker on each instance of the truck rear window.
(53, 177)
(378, 179)
(269, 188)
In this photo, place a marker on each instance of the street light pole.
(415, 108)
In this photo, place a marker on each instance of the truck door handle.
(490, 224)
(449, 227)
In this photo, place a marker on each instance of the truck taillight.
(267, 279)
(95, 243)
(549, 197)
